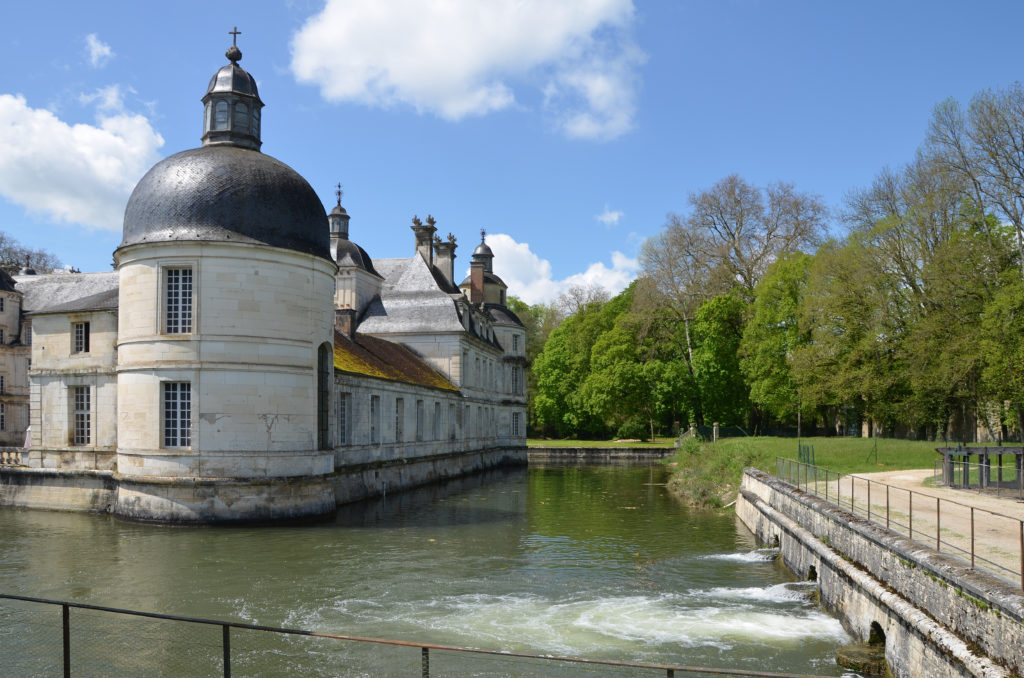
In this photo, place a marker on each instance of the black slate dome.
(225, 193)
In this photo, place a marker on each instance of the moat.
(592, 561)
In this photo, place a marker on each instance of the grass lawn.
(656, 443)
(846, 455)
(708, 475)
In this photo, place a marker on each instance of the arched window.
(323, 396)
(241, 120)
(220, 116)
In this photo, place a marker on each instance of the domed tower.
(225, 349)
(482, 286)
(358, 282)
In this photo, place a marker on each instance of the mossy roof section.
(383, 359)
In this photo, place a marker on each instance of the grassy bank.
(656, 443)
(707, 474)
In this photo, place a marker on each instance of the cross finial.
(234, 36)
(338, 192)
(483, 234)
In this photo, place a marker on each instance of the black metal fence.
(40, 637)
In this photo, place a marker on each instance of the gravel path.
(996, 520)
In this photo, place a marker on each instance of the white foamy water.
(756, 556)
(585, 626)
(778, 593)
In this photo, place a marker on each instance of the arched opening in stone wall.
(876, 636)
(812, 574)
(323, 396)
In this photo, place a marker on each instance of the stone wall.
(940, 618)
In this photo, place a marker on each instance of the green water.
(589, 561)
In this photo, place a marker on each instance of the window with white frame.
(515, 380)
(177, 414)
(81, 338)
(399, 420)
(515, 424)
(374, 419)
(515, 343)
(81, 415)
(342, 408)
(419, 421)
(178, 300)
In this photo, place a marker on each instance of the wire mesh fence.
(40, 637)
(985, 539)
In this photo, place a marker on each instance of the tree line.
(899, 313)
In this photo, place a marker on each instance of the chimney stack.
(444, 257)
(476, 282)
(345, 321)
(424, 238)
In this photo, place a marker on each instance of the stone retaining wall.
(940, 618)
(598, 453)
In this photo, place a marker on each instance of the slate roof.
(375, 357)
(410, 301)
(500, 315)
(68, 292)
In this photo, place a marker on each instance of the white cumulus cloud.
(529, 277)
(80, 174)
(465, 57)
(100, 53)
(609, 217)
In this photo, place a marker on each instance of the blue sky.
(567, 129)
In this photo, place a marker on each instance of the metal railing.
(996, 545)
(984, 478)
(227, 654)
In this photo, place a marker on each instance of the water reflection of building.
(247, 360)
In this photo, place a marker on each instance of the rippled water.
(586, 561)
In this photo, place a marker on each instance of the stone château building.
(247, 360)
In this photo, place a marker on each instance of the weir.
(938, 617)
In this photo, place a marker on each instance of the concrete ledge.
(57, 490)
(939, 617)
(587, 453)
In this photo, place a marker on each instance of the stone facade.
(247, 361)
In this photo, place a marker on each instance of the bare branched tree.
(985, 147)
(14, 256)
(576, 297)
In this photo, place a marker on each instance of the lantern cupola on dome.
(232, 105)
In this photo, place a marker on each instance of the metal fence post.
(425, 662)
(910, 503)
(1022, 554)
(938, 526)
(226, 635)
(972, 537)
(887, 507)
(66, 624)
(826, 484)
(869, 499)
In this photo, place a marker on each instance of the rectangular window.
(515, 343)
(343, 416)
(451, 422)
(81, 341)
(177, 414)
(436, 430)
(82, 415)
(515, 424)
(1, 336)
(178, 301)
(467, 422)
(3, 414)
(419, 420)
(374, 419)
(1, 304)
(515, 380)
(3, 384)
(26, 327)
(399, 420)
